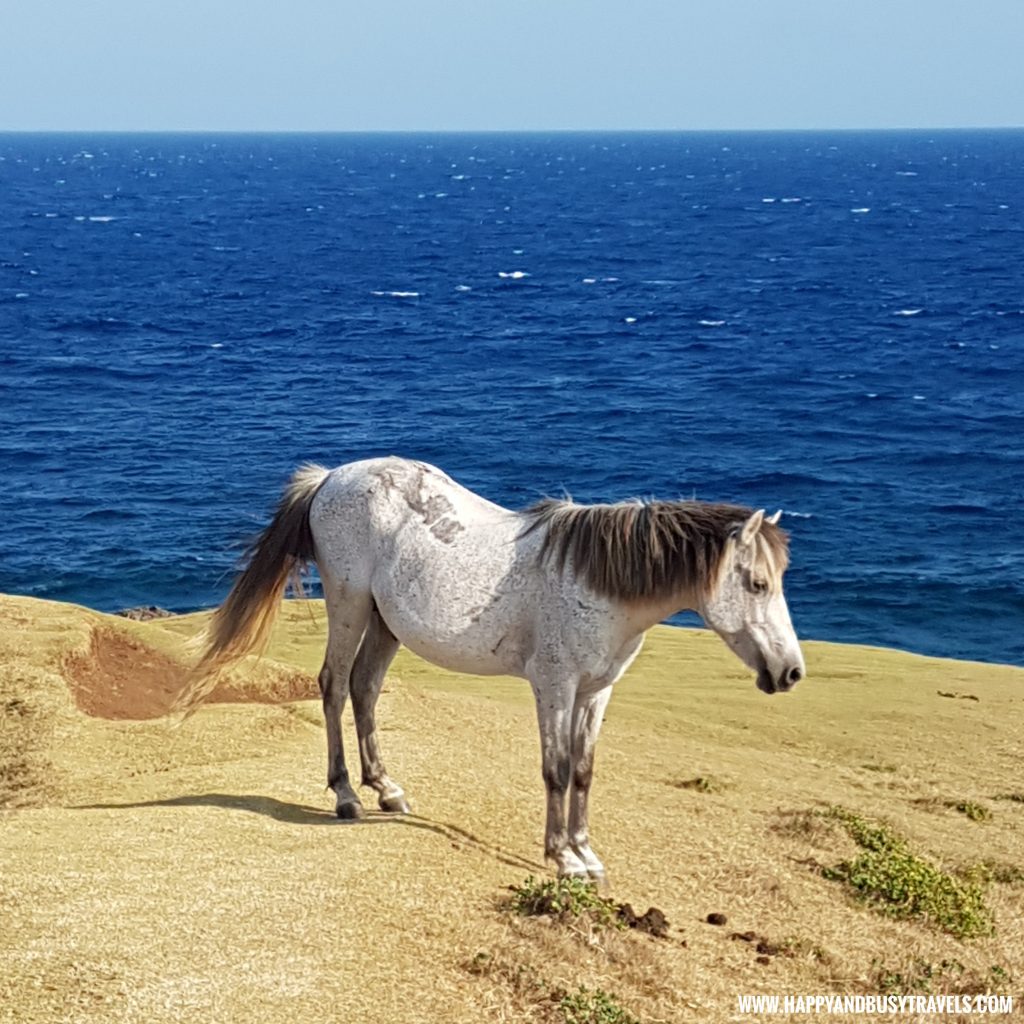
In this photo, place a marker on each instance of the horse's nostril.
(794, 676)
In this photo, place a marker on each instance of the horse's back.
(443, 565)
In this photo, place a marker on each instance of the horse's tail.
(242, 623)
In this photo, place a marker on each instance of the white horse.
(560, 594)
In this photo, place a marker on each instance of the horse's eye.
(760, 586)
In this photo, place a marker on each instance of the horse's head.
(748, 609)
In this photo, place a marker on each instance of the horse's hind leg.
(347, 615)
(378, 648)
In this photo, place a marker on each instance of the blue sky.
(314, 65)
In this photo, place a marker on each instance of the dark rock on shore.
(145, 612)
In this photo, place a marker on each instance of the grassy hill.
(851, 833)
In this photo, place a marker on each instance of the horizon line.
(510, 131)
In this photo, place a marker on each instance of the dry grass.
(193, 874)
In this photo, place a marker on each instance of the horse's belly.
(453, 627)
(460, 656)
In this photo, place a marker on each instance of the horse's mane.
(636, 551)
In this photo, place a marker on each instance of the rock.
(717, 919)
(144, 612)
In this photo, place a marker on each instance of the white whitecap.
(590, 280)
(861, 209)
(463, 288)
(907, 312)
(50, 215)
(792, 199)
(217, 344)
(515, 275)
(21, 295)
(919, 398)
(711, 323)
(630, 319)
(797, 515)
(609, 279)
(398, 295)
(768, 199)
(101, 220)
(907, 174)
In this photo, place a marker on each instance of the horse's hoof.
(599, 880)
(396, 804)
(579, 876)
(351, 810)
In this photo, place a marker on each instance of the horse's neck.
(650, 613)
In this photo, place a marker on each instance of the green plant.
(973, 811)
(595, 1006)
(892, 880)
(565, 898)
(919, 979)
(925, 978)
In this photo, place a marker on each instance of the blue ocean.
(830, 324)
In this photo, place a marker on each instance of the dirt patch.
(121, 678)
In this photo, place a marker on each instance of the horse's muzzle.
(786, 680)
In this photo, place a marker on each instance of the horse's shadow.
(300, 814)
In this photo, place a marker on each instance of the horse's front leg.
(554, 716)
(588, 714)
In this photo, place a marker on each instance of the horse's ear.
(774, 520)
(751, 526)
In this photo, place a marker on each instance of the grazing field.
(862, 834)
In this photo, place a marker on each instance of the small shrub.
(892, 880)
(565, 898)
(949, 976)
(973, 811)
(919, 979)
(595, 1006)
